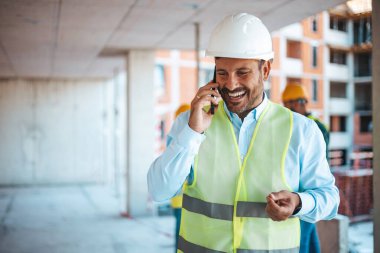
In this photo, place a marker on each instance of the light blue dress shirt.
(306, 168)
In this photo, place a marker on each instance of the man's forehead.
(235, 62)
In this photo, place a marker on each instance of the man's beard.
(252, 102)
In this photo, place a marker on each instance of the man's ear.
(266, 69)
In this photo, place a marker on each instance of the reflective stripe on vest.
(186, 246)
(224, 212)
(224, 207)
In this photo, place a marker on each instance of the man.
(249, 169)
(295, 98)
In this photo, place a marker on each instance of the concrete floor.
(361, 237)
(76, 219)
(85, 219)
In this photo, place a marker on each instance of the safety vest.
(223, 210)
(317, 120)
(176, 201)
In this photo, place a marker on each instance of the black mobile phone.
(212, 108)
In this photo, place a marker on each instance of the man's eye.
(221, 73)
(242, 73)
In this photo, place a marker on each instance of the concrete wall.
(53, 131)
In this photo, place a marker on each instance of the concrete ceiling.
(74, 38)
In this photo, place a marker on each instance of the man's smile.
(234, 96)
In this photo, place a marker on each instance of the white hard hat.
(241, 36)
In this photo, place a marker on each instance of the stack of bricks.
(356, 196)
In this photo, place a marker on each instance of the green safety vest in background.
(224, 207)
(324, 130)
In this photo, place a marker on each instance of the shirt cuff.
(308, 203)
(188, 138)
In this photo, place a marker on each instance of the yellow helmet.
(182, 108)
(294, 91)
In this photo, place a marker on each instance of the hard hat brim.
(265, 56)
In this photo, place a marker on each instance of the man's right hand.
(199, 119)
(281, 205)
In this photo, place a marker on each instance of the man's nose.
(232, 82)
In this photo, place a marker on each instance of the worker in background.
(249, 171)
(176, 201)
(295, 98)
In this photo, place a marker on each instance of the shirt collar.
(254, 114)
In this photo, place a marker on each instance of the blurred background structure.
(88, 91)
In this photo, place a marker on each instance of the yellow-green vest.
(224, 207)
(176, 201)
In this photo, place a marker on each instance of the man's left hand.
(281, 205)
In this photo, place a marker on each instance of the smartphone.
(212, 108)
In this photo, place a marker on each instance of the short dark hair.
(261, 63)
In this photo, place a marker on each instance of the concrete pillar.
(140, 129)
(376, 119)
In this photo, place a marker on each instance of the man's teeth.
(236, 94)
